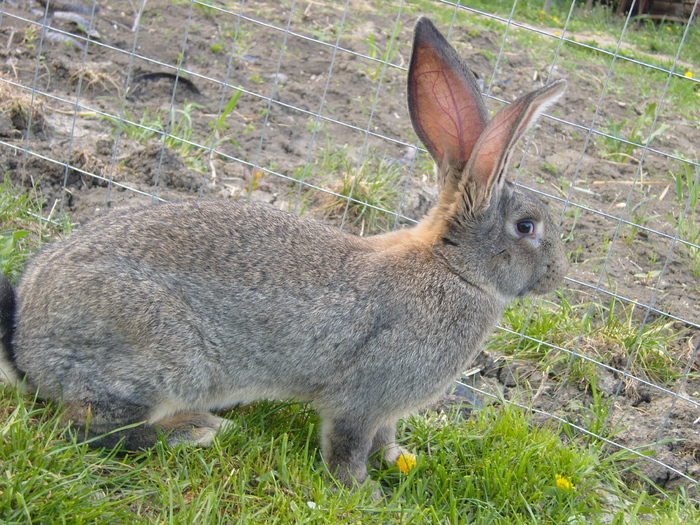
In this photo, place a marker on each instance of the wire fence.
(300, 104)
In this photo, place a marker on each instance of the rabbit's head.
(483, 227)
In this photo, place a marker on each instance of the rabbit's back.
(208, 304)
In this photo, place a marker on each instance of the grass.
(494, 468)
(610, 334)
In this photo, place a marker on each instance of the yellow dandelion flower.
(564, 484)
(557, 33)
(555, 19)
(668, 28)
(689, 74)
(406, 462)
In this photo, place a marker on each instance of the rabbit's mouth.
(550, 278)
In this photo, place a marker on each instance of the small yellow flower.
(557, 33)
(564, 484)
(406, 462)
(689, 74)
(555, 19)
(668, 28)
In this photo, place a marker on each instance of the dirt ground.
(84, 166)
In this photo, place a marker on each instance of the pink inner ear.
(496, 143)
(446, 111)
(493, 142)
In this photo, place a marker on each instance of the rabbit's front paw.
(393, 454)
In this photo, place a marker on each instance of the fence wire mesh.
(301, 104)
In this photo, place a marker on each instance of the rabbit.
(153, 318)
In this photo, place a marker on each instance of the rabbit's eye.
(525, 227)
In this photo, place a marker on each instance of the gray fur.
(163, 314)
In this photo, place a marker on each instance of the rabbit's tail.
(9, 373)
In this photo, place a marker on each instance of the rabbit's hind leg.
(196, 428)
(125, 425)
(110, 425)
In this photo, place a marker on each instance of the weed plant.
(361, 194)
(141, 130)
(181, 137)
(687, 183)
(23, 228)
(620, 146)
(383, 57)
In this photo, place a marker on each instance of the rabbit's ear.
(446, 107)
(488, 164)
